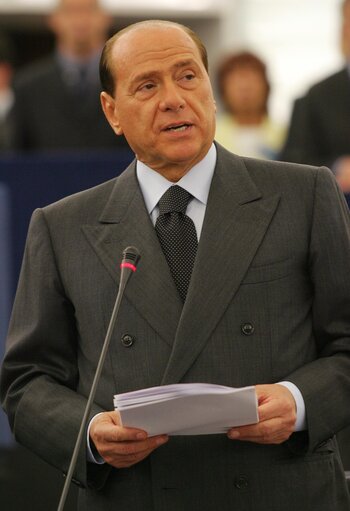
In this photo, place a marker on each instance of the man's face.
(80, 25)
(163, 102)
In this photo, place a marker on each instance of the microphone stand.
(130, 259)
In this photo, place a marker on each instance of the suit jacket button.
(247, 329)
(241, 482)
(127, 340)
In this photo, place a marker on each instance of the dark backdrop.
(28, 182)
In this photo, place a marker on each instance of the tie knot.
(174, 199)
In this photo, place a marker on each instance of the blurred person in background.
(245, 127)
(319, 132)
(6, 91)
(57, 104)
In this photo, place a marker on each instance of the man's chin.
(184, 153)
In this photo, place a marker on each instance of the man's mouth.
(178, 127)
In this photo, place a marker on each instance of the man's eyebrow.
(144, 76)
(151, 74)
(185, 63)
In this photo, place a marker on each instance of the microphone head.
(131, 257)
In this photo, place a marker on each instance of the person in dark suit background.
(57, 103)
(267, 305)
(319, 132)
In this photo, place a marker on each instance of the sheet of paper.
(187, 409)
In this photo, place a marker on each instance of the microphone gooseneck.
(131, 257)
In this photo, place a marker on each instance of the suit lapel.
(125, 222)
(235, 223)
(236, 219)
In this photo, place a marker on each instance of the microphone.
(131, 257)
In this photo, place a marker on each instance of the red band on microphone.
(128, 265)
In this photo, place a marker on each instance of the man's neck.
(175, 171)
(174, 174)
(79, 52)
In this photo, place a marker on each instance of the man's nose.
(171, 98)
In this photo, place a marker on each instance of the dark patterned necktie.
(177, 235)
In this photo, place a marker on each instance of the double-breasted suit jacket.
(269, 300)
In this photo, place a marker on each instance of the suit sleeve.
(40, 376)
(325, 382)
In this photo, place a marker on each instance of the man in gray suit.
(267, 305)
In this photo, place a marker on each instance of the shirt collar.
(70, 65)
(197, 180)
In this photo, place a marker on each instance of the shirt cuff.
(300, 424)
(92, 454)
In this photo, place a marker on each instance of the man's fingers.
(127, 461)
(277, 416)
(263, 431)
(272, 409)
(121, 434)
(275, 401)
(127, 448)
(106, 427)
(127, 441)
(121, 446)
(125, 454)
(272, 431)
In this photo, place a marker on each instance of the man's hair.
(108, 80)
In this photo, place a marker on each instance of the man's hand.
(119, 446)
(277, 417)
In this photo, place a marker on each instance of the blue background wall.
(5, 288)
(31, 181)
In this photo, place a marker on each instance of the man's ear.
(109, 108)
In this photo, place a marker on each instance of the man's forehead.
(153, 42)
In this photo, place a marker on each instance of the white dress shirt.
(197, 182)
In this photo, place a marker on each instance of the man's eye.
(147, 86)
(189, 76)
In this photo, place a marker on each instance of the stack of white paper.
(187, 408)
